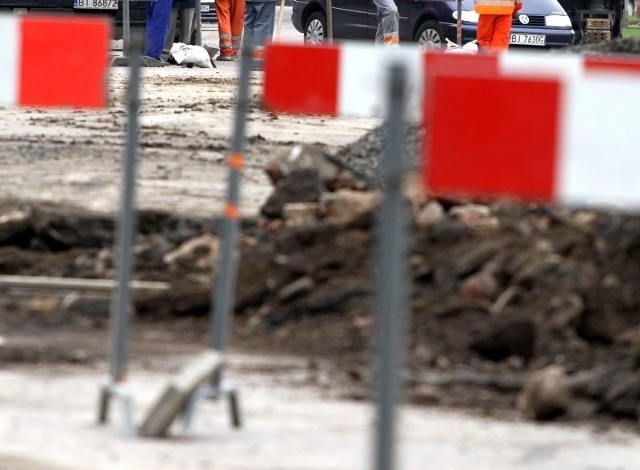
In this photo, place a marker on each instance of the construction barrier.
(548, 127)
(54, 61)
(561, 130)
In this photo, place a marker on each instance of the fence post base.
(226, 389)
(121, 393)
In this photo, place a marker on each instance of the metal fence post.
(223, 293)
(198, 20)
(391, 279)
(121, 297)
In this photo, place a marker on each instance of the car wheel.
(429, 35)
(314, 30)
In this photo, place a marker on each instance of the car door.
(352, 19)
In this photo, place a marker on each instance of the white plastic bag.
(468, 48)
(196, 55)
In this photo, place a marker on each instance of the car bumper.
(553, 37)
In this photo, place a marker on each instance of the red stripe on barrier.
(610, 64)
(461, 64)
(63, 61)
(300, 79)
(505, 143)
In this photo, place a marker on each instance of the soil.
(497, 291)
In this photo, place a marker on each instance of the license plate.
(204, 8)
(528, 39)
(96, 4)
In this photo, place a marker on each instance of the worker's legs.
(261, 20)
(501, 33)
(484, 32)
(171, 32)
(388, 22)
(237, 24)
(186, 22)
(250, 15)
(158, 15)
(223, 10)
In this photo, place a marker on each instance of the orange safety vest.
(497, 7)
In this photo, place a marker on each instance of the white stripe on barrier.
(9, 56)
(363, 74)
(599, 163)
(541, 65)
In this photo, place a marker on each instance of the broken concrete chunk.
(301, 185)
(13, 221)
(299, 214)
(200, 253)
(429, 214)
(546, 395)
(346, 205)
(302, 156)
(298, 287)
(175, 396)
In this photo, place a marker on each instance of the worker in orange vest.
(494, 23)
(230, 23)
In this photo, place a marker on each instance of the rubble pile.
(511, 306)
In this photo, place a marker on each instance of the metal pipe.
(223, 299)
(121, 300)
(330, 20)
(392, 274)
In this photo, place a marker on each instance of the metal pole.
(126, 29)
(121, 300)
(392, 278)
(198, 14)
(459, 24)
(330, 21)
(226, 276)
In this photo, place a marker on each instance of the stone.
(622, 397)
(13, 222)
(474, 215)
(507, 336)
(448, 231)
(198, 254)
(302, 156)
(345, 205)
(482, 285)
(429, 214)
(296, 288)
(301, 185)
(546, 394)
(300, 214)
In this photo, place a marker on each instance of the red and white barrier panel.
(555, 139)
(348, 80)
(54, 61)
(338, 81)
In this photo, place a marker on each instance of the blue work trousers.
(158, 15)
(259, 18)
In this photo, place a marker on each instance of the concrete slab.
(176, 393)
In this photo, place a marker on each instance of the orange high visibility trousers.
(230, 23)
(494, 32)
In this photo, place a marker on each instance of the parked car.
(543, 23)
(112, 8)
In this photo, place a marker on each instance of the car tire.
(315, 28)
(429, 35)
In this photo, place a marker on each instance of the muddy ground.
(497, 291)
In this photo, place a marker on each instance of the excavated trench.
(496, 291)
